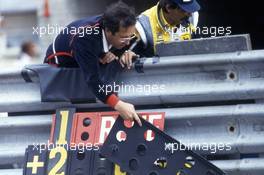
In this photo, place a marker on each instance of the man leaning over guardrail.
(86, 43)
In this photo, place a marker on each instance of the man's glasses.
(125, 40)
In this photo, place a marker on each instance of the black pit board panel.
(132, 158)
(88, 162)
(79, 162)
(34, 157)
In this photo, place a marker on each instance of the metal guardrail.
(242, 167)
(196, 78)
(16, 133)
(199, 78)
(11, 172)
(240, 127)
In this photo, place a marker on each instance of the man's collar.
(105, 43)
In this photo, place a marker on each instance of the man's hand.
(127, 111)
(126, 59)
(108, 58)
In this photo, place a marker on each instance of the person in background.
(28, 53)
(169, 20)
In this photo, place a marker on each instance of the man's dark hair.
(164, 3)
(118, 15)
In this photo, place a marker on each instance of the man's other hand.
(108, 58)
